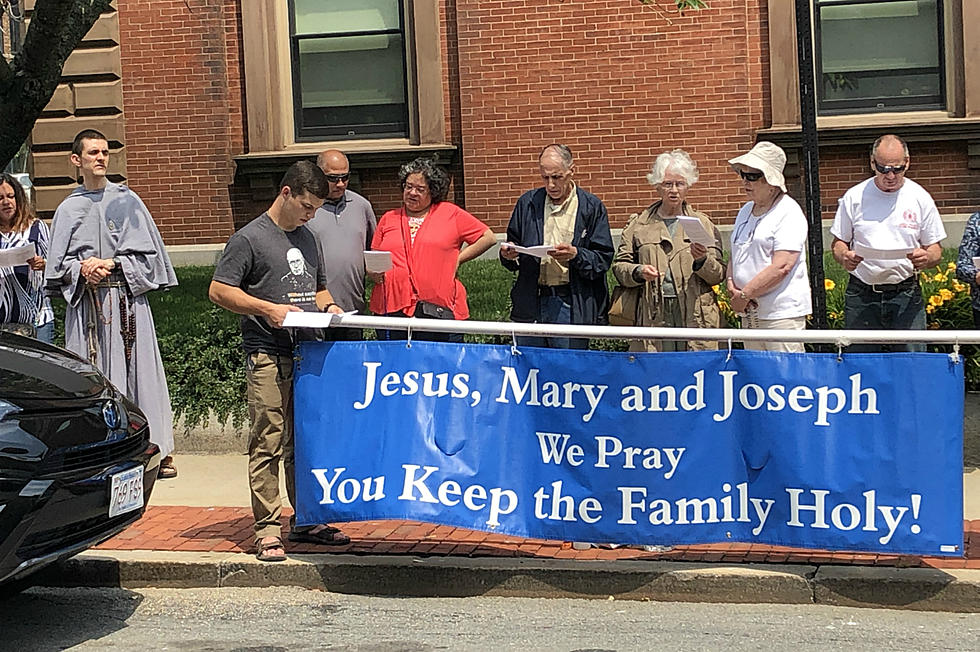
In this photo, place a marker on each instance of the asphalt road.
(273, 619)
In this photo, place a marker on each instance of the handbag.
(19, 328)
(624, 304)
(429, 310)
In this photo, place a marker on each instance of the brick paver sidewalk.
(229, 529)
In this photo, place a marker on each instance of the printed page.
(17, 255)
(539, 251)
(695, 230)
(881, 254)
(377, 261)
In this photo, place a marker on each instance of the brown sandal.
(275, 543)
(326, 536)
(167, 468)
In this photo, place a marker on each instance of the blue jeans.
(46, 333)
(554, 309)
(895, 307)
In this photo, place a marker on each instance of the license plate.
(126, 492)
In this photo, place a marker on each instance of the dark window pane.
(884, 55)
(351, 85)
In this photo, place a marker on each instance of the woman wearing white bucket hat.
(767, 277)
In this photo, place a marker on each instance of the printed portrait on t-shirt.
(298, 285)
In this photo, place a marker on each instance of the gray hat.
(768, 158)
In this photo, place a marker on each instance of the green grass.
(185, 308)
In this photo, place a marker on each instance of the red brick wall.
(940, 167)
(182, 93)
(610, 78)
(615, 82)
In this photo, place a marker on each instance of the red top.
(432, 257)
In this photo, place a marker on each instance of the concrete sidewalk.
(197, 532)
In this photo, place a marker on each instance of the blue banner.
(864, 452)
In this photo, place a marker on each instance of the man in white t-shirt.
(886, 230)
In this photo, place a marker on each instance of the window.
(879, 55)
(349, 69)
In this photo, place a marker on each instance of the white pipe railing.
(841, 338)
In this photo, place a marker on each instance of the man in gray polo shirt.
(344, 227)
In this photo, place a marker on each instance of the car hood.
(32, 371)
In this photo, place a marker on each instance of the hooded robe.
(114, 223)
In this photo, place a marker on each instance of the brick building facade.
(206, 118)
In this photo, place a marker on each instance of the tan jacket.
(646, 241)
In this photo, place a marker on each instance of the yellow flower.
(951, 266)
(828, 284)
(935, 300)
(945, 294)
(959, 287)
(940, 277)
(714, 288)
(930, 309)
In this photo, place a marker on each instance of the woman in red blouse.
(424, 237)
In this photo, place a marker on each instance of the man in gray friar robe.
(105, 255)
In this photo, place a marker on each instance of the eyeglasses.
(337, 178)
(886, 169)
(680, 185)
(750, 176)
(419, 189)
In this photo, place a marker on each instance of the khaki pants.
(788, 324)
(270, 409)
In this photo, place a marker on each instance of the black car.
(76, 462)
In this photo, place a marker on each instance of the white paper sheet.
(312, 319)
(17, 255)
(377, 261)
(880, 254)
(538, 250)
(695, 230)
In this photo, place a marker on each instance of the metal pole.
(810, 161)
(510, 330)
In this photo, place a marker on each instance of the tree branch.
(56, 29)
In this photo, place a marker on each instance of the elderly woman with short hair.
(673, 274)
(424, 237)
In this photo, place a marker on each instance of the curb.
(924, 589)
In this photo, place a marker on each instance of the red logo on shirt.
(910, 220)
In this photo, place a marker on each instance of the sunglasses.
(335, 178)
(885, 169)
(750, 176)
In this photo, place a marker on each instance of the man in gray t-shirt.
(344, 227)
(269, 268)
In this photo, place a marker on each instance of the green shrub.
(206, 370)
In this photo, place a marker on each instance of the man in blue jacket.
(567, 286)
